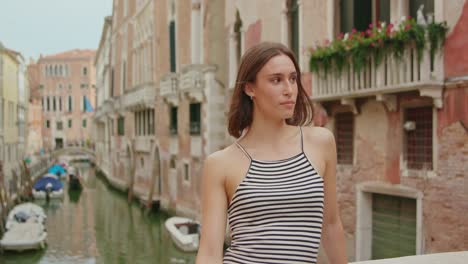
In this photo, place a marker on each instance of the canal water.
(98, 225)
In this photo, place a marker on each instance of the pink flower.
(369, 32)
(354, 30)
(379, 40)
(408, 27)
(408, 17)
(372, 44)
(326, 42)
(371, 25)
(390, 26)
(341, 35)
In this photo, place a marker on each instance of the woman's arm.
(214, 207)
(333, 239)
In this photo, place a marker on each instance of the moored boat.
(184, 232)
(48, 186)
(25, 236)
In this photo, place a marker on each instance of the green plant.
(359, 48)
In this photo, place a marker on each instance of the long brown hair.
(241, 109)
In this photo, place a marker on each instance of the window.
(344, 132)
(358, 14)
(195, 119)
(84, 103)
(151, 122)
(393, 226)
(172, 45)
(41, 86)
(47, 124)
(59, 126)
(69, 123)
(173, 120)
(48, 103)
(173, 162)
(418, 140)
(54, 104)
(70, 103)
(84, 122)
(85, 71)
(69, 86)
(84, 85)
(61, 70)
(293, 26)
(60, 104)
(186, 172)
(427, 10)
(121, 126)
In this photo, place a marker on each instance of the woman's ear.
(248, 90)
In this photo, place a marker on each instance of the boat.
(58, 170)
(184, 232)
(74, 179)
(48, 186)
(25, 212)
(26, 236)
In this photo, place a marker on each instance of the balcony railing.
(141, 97)
(391, 76)
(194, 78)
(169, 88)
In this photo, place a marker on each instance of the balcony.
(141, 97)
(194, 80)
(169, 88)
(392, 75)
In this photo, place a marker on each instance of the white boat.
(184, 232)
(50, 185)
(52, 195)
(25, 236)
(25, 212)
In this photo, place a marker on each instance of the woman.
(276, 184)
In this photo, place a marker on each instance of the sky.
(35, 27)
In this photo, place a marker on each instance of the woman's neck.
(269, 133)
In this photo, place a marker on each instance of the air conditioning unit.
(409, 125)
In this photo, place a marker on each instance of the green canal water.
(98, 225)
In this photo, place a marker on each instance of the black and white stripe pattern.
(275, 215)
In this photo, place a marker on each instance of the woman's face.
(275, 89)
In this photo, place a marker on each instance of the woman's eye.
(293, 79)
(276, 80)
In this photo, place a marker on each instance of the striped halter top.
(276, 212)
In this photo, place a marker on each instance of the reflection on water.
(97, 225)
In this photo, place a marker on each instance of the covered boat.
(25, 236)
(184, 232)
(25, 212)
(57, 169)
(48, 185)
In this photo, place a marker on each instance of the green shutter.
(393, 226)
(120, 126)
(173, 125)
(384, 10)
(295, 28)
(172, 45)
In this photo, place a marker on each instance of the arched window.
(56, 70)
(61, 70)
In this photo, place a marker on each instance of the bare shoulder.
(222, 161)
(319, 136)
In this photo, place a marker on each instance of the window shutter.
(393, 226)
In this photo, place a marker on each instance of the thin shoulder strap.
(243, 150)
(302, 140)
